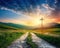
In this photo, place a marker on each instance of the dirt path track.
(40, 42)
(19, 43)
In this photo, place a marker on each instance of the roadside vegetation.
(55, 31)
(51, 39)
(30, 43)
(49, 30)
(6, 38)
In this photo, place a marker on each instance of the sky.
(29, 12)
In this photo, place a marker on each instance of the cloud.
(56, 12)
(48, 9)
(30, 9)
(17, 12)
(4, 8)
(53, 8)
(55, 1)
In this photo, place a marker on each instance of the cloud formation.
(30, 5)
(30, 10)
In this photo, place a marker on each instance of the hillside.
(56, 25)
(52, 25)
(12, 26)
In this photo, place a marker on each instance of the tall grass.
(29, 42)
(6, 38)
(53, 40)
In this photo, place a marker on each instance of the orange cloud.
(57, 20)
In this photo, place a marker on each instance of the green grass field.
(55, 31)
(51, 39)
(6, 38)
(9, 34)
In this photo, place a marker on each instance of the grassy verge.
(29, 42)
(53, 30)
(53, 40)
(6, 38)
(50, 30)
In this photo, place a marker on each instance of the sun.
(36, 20)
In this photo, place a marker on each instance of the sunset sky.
(29, 12)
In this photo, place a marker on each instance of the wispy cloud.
(30, 11)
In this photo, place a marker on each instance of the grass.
(29, 42)
(53, 40)
(6, 38)
(52, 30)
(56, 31)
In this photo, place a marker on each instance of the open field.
(7, 37)
(49, 31)
(51, 39)
(51, 35)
